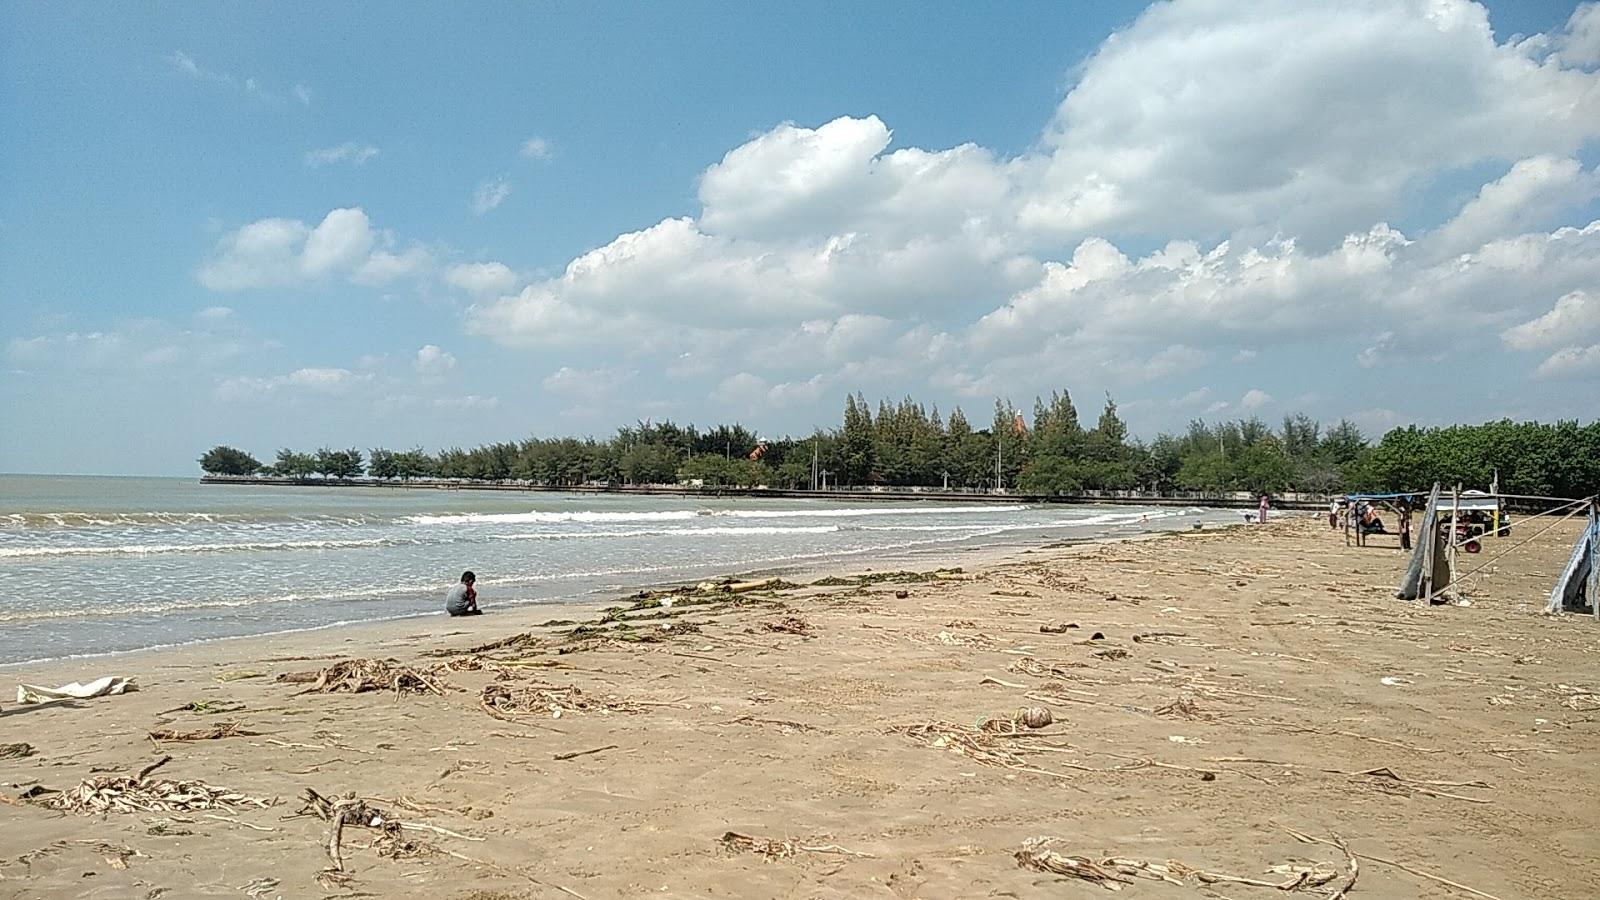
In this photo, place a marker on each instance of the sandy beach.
(1241, 703)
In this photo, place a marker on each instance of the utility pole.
(814, 461)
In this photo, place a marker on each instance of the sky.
(394, 225)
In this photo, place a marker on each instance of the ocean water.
(102, 565)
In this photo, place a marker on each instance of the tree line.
(1050, 452)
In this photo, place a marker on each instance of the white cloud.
(383, 266)
(1571, 362)
(748, 393)
(1284, 115)
(341, 241)
(490, 194)
(328, 381)
(1375, 354)
(142, 347)
(1193, 398)
(1272, 221)
(1254, 399)
(433, 361)
(1260, 149)
(247, 85)
(278, 252)
(482, 278)
(1579, 43)
(1172, 360)
(1527, 196)
(466, 402)
(1575, 316)
(537, 148)
(350, 152)
(585, 386)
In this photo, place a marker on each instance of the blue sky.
(394, 225)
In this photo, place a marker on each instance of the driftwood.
(140, 793)
(356, 676)
(789, 625)
(215, 732)
(566, 756)
(776, 849)
(351, 810)
(507, 705)
(1114, 872)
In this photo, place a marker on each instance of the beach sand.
(1246, 680)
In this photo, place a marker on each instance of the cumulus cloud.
(1283, 115)
(1217, 175)
(276, 252)
(490, 194)
(349, 152)
(1571, 362)
(1254, 399)
(537, 148)
(384, 266)
(1188, 131)
(1574, 317)
(1534, 190)
(1579, 42)
(311, 380)
(482, 278)
(433, 361)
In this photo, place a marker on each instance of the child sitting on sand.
(462, 598)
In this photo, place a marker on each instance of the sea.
(98, 565)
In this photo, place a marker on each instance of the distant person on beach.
(1405, 524)
(462, 598)
(1261, 512)
(1333, 513)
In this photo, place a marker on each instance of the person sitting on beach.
(462, 598)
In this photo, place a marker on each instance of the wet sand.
(1249, 684)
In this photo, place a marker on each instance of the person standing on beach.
(462, 598)
(1261, 512)
(1405, 524)
(1333, 513)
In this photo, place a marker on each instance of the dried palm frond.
(356, 676)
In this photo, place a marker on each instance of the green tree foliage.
(906, 444)
(1559, 460)
(222, 460)
(290, 464)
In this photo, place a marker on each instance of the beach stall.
(1458, 522)
(1364, 516)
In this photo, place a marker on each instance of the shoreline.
(583, 592)
(522, 615)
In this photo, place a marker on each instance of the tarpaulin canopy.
(1578, 588)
